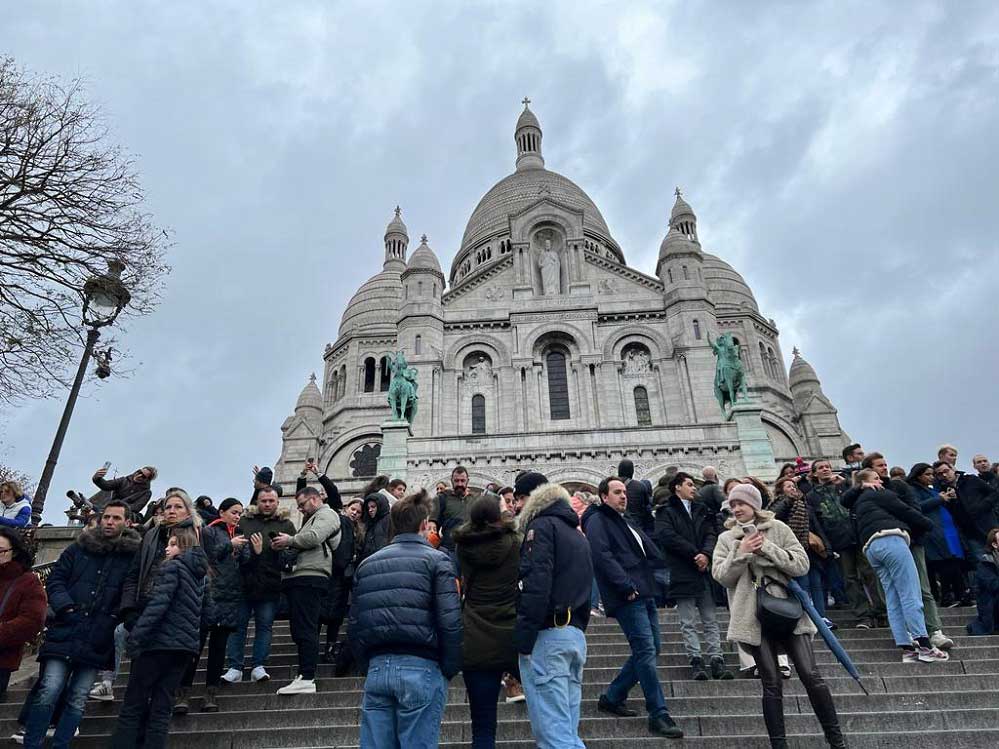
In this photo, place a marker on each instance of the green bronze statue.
(730, 377)
(402, 396)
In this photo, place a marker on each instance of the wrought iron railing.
(42, 570)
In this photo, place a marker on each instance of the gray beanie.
(746, 493)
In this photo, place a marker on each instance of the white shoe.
(299, 686)
(102, 692)
(233, 676)
(18, 736)
(259, 674)
(939, 640)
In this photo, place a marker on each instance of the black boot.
(773, 716)
(328, 656)
(620, 709)
(718, 670)
(825, 711)
(181, 704)
(697, 669)
(664, 725)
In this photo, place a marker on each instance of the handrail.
(42, 571)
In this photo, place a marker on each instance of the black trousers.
(217, 638)
(304, 602)
(148, 702)
(946, 578)
(483, 689)
(339, 607)
(799, 650)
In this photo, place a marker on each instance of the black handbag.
(778, 616)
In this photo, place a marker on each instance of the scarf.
(798, 520)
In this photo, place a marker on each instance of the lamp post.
(104, 297)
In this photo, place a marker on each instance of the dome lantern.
(682, 217)
(527, 135)
(396, 243)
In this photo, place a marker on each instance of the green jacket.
(489, 561)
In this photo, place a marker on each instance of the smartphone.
(107, 464)
(748, 530)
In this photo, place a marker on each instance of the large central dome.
(521, 189)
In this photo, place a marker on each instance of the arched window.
(418, 345)
(343, 381)
(763, 359)
(558, 385)
(642, 407)
(669, 272)
(686, 275)
(773, 365)
(369, 375)
(333, 387)
(478, 414)
(386, 375)
(697, 330)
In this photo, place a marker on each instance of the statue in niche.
(636, 362)
(481, 372)
(551, 266)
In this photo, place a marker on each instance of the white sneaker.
(18, 736)
(233, 676)
(939, 640)
(932, 655)
(299, 686)
(102, 692)
(259, 674)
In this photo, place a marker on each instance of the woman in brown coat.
(488, 548)
(22, 603)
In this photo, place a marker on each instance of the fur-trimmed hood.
(541, 499)
(94, 542)
(282, 513)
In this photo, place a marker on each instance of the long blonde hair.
(183, 496)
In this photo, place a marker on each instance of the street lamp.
(104, 297)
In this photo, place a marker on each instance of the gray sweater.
(314, 556)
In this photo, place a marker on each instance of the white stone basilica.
(543, 349)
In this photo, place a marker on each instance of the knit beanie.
(746, 493)
(527, 482)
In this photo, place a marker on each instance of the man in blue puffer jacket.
(84, 590)
(405, 626)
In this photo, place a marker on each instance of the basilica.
(542, 348)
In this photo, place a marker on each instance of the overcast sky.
(842, 156)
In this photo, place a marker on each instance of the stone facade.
(543, 349)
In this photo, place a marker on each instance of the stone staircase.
(953, 705)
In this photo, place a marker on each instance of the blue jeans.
(552, 677)
(263, 623)
(56, 676)
(640, 624)
(813, 584)
(120, 640)
(403, 704)
(594, 595)
(891, 559)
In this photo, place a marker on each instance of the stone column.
(754, 443)
(394, 456)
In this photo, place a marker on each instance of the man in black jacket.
(260, 568)
(405, 627)
(639, 510)
(553, 609)
(984, 467)
(623, 559)
(84, 591)
(452, 508)
(976, 506)
(134, 490)
(685, 532)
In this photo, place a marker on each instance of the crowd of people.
(498, 586)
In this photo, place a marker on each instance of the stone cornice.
(624, 271)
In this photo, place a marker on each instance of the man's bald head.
(710, 473)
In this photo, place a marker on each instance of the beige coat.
(781, 557)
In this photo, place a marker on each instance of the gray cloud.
(841, 156)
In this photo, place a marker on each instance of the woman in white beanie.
(755, 546)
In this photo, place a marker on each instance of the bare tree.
(12, 474)
(70, 200)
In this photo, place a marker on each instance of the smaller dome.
(396, 225)
(527, 118)
(681, 207)
(375, 305)
(310, 396)
(725, 286)
(424, 258)
(802, 373)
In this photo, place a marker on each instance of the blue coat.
(171, 619)
(619, 564)
(987, 587)
(406, 602)
(84, 590)
(935, 542)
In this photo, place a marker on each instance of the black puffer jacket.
(171, 619)
(261, 572)
(880, 510)
(556, 572)
(406, 603)
(639, 512)
(88, 577)
(903, 492)
(138, 582)
(376, 529)
(976, 510)
(621, 566)
(681, 537)
(224, 592)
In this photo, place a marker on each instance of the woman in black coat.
(376, 525)
(337, 599)
(162, 641)
(223, 598)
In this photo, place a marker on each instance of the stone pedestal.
(754, 443)
(395, 448)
